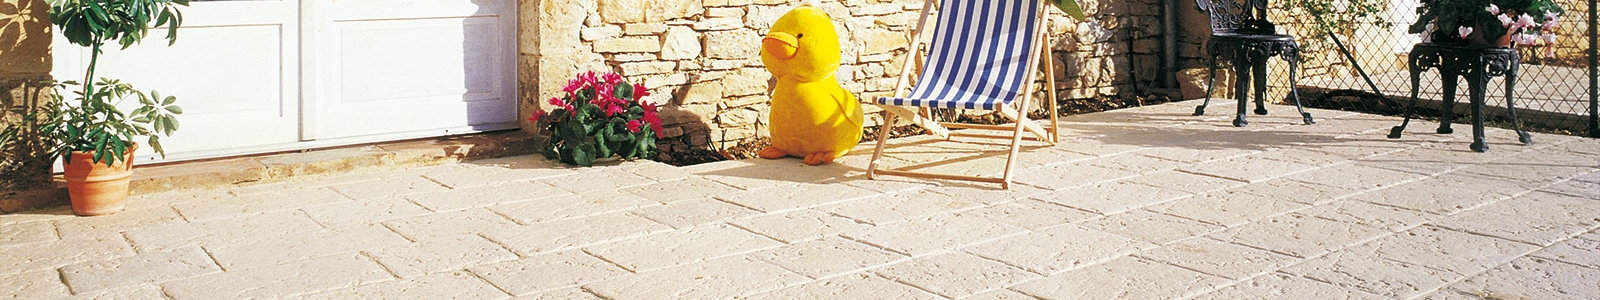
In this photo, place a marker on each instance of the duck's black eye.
(800, 35)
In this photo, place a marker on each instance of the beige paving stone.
(722, 278)
(1534, 278)
(364, 212)
(1046, 157)
(682, 247)
(389, 187)
(925, 235)
(271, 250)
(1150, 226)
(1001, 295)
(892, 184)
(97, 276)
(1398, 162)
(1359, 146)
(435, 255)
(1189, 154)
(259, 204)
(1033, 214)
(547, 272)
(285, 280)
(1298, 235)
(955, 274)
(1192, 183)
(1227, 208)
(144, 291)
(690, 213)
(598, 180)
(39, 284)
(1067, 176)
(449, 224)
(1058, 249)
(51, 255)
(1444, 195)
(1097, 146)
(458, 284)
(1285, 286)
(574, 293)
(1444, 249)
(798, 225)
(219, 232)
(1355, 176)
(1525, 174)
(655, 170)
(828, 257)
(1307, 157)
(528, 240)
(1113, 197)
(473, 197)
(788, 198)
(990, 193)
(1578, 251)
(1367, 272)
(899, 207)
(1298, 191)
(1218, 258)
(850, 286)
(1576, 188)
(569, 206)
(27, 233)
(1138, 161)
(170, 198)
(1126, 277)
(1254, 168)
(1362, 213)
(1537, 218)
(91, 227)
(687, 189)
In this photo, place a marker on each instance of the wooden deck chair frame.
(1015, 110)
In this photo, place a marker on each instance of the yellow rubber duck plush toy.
(813, 117)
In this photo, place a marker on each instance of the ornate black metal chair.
(1477, 66)
(1241, 34)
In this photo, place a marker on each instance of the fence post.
(1594, 71)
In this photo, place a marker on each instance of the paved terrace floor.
(1144, 203)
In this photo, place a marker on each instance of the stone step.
(274, 167)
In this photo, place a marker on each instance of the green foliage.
(93, 123)
(600, 117)
(1071, 8)
(1341, 16)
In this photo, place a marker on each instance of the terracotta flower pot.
(94, 188)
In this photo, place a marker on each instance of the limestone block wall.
(701, 57)
(24, 65)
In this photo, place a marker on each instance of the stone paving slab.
(1143, 203)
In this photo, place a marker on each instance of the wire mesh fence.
(1363, 68)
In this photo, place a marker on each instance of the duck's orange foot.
(771, 153)
(819, 158)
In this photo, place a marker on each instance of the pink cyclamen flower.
(634, 126)
(1550, 38)
(1464, 31)
(1493, 9)
(538, 114)
(1507, 21)
(1529, 39)
(1525, 21)
(1550, 51)
(639, 92)
(612, 78)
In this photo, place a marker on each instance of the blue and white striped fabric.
(979, 55)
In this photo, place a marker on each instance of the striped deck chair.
(983, 56)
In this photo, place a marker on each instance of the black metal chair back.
(1230, 16)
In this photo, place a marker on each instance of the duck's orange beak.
(781, 45)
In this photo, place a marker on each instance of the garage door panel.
(383, 60)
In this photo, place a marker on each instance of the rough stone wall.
(701, 57)
(24, 65)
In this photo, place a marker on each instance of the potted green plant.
(93, 135)
(1489, 23)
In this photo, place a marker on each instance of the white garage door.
(264, 76)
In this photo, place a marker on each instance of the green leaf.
(171, 124)
(168, 101)
(584, 155)
(155, 144)
(175, 109)
(1071, 8)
